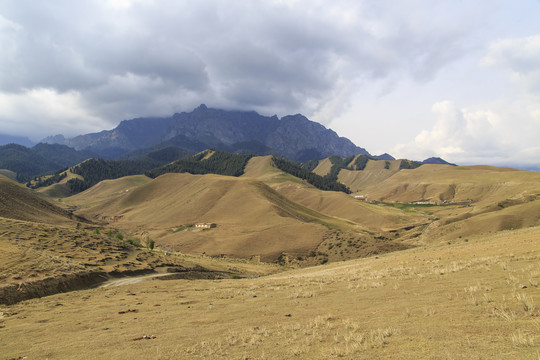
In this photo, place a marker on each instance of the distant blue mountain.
(437, 161)
(385, 156)
(293, 136)
(21, 140)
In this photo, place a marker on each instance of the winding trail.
(130, 280)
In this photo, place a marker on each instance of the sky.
(414, 78)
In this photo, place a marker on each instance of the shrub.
(149, 243)
(135, 242)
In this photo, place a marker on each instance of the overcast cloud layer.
(415, 78)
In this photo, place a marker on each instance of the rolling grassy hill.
(45, 249)
(9, 174)
(267, 212)
(252, 219)
(18, 202)
(374, 172)
(466, 300)
(443, 182)
(491, 198)
(455, 201)
(360, 171)
(434, 279)
(336, 204)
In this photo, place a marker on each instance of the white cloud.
(502, 130)
(521, 56)
(506, 135)
(289, 57)
(123, 4)
(367, 67)
(47, 112)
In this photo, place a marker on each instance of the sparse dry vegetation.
(419, 282)
(467, 299)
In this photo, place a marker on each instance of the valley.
(424, 261)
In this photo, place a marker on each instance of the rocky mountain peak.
(294, 136)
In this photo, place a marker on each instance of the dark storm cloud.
(134, 58)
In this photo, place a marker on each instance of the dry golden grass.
(467, 300)
(341, 205)
(8, 173)
(323, 168)
(252, 218)
(501, 198)
(296, 218)
(106, 190)
(60, 189)
(39, 259)
(262, 169)
(18, 202)
(375, 172)
(462, 293)
(444, 182)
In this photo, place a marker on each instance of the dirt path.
(130, 280)
(186, 275)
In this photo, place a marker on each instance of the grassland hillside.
(374, 172)
(9, 174)
(358, 172)
(252, 219)
(380, 220)
(323, 168)
(263, 212)
(345, 206)
(105, 191)
(59, 189)
(438, 183)
(445, 266)
(38, 259)
(261, 168)
(475, 299)
(18, 202)
(485, 199)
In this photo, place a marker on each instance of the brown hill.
(21, 203)
(450, 183)
(465, 300)
(105, 191)
(267, 212)
(332, 203)
(9, 174)
(38, 259)
(337, 204)
(323, 168)
(252, 219)
(454, 201)
(472, 199)
(374, 172)
(60, 189)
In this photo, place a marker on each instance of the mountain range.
(10, 139)
(414, 258)
(157, 141)
(293, 136)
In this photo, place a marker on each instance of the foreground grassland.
(467, 299)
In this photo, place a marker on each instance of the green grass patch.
(411, 207)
